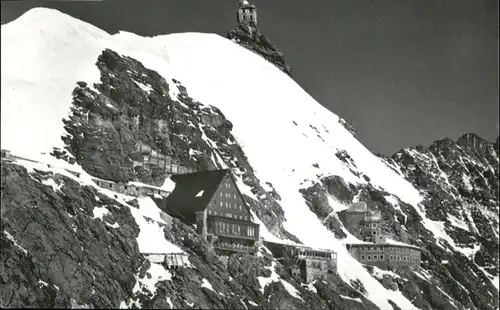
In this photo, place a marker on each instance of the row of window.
(230, 215)
(234, 229)
(227, 185)
(379, 248)
(316, 253)
(250, 231)
(228, 195)
(381, 257)
(373, 257)
(225, 204)
(228, 228)
(402, 258)
(372, 225)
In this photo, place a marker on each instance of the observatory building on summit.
(247, 14)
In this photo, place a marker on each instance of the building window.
(374, 232)
(362, 257)
(375, 257)
(374, 225)
(369, 257)
(381, 257)
(367, 225)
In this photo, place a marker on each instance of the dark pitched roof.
(183, 198)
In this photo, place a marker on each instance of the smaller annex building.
(304, 263)
(212, 201)
(385, 255)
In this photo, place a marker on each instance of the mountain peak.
(41, 15)
(248, 35)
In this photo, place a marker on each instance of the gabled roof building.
(212, 201)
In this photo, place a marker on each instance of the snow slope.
(281, 128)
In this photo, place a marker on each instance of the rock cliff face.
(457, 228)
(259, 44)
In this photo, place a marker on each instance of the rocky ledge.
(259, 44)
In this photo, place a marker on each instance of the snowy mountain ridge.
(286, 141)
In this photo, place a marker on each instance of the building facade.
(212, 201)
(385, 255)
(370, 227)
(304, 263)
(313, 264)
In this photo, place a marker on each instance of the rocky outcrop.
(459, 184)
(54, 252)
(259, 44)
(349, 126)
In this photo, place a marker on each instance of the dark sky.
(404, 72)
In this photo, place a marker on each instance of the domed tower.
(247, 14)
